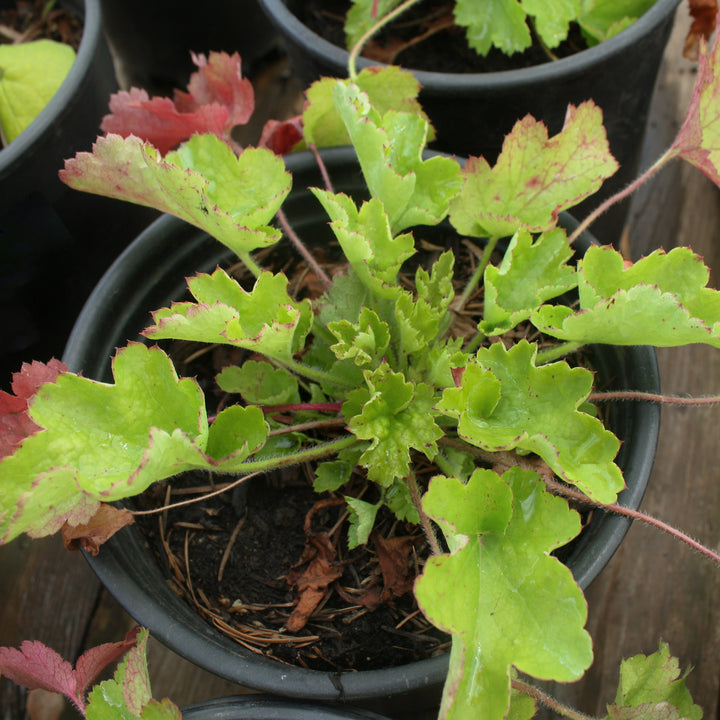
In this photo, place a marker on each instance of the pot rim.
(452, 83)
(119, 564)
(91, 15)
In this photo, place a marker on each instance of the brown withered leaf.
(318, 569)
(396, 564)
(315, 571)
(101, 526)
(703, 13)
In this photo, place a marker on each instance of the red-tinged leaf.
(698, 141)
(158, 121)
(136, 681)
(15, 423)
(219, 80)
(281, 136)
(95, 532)
(92, 662)
(35, 665)
(703, 13)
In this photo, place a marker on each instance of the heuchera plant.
(499, 419)
(126, 696)
(509, 25)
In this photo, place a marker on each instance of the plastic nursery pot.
(152, 40)
(472, 112)
(150, 274)
(56, 243)
(260, 707)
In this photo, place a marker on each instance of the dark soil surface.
(240, 548)
(444, 49)
(37, 19)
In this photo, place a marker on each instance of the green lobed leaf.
(500, 577)
(367, 241)
(531, 272)
(395, 416)
(331, 475)
(505, 402)
(535, 177)
(265, 320)
(651, 687)
(389, 147)
(661, 300)
(260, 383)
(106, 442)
(388, 88)
(364, 342)
(495, 23)
(231, 198)
(30, 75)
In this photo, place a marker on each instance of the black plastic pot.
(473, 112)
(55, 243)
(260, 707)
(152, 40)
(150, 274)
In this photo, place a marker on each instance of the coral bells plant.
(373, 375)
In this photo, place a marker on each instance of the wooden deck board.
(652, 589)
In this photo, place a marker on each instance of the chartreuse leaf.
(661, 300)
(231, 198)
(30, 75)
(388, 88)
(395, 416)
(106, 442)
(535, 177)
(503, 23)
(498, 577)
(531, 272)
(265, 320)
(601, 19)
(367, 240)
(260, 383)
(651, 687)
(505, 402)
(413, 191)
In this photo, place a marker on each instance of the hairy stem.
(424, 519)
(300, 246)
(653, 397)
(360, 44)
(556, 352)
(548, 701)
(560, 489)
(595, 214)
(323, 169)
(474, 281)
